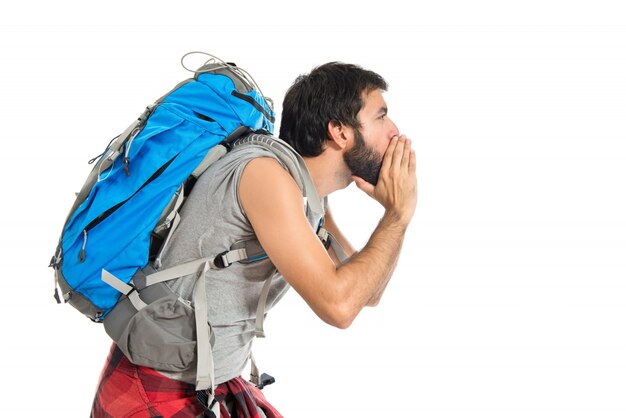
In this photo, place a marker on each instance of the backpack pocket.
(161, 335)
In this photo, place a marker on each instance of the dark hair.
(330, 93)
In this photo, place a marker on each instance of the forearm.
(375, 299)
(331, 226)
(366, 274)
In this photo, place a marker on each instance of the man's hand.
(396, 189)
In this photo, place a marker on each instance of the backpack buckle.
(203, 396)
(228, 257)
(324, 236)
(220, 260)
(264, 380)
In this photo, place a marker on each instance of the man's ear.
(338, 134)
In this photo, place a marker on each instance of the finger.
(389, 154)
(396, 162)
(412, 162)
(406, 154)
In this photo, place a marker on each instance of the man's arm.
(331, 226)
(273, 203)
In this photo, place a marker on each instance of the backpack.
(108, 257)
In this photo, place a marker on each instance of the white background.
(510, 296)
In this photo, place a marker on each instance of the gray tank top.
(211, 221)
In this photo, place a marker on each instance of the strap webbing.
(204, 372)
(179, 271)
(255, 375)
(116, 283)
(191, 267)
(124, 288)
(213, 155)
(233, 256)
(172, 218)
(260, 308)
(136, 300)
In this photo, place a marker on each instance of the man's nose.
(393, 131)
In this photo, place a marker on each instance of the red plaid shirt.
(126, 390)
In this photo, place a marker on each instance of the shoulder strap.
(292, 160)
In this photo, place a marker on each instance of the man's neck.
(328, 172)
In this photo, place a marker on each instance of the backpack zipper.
(254, 104)
(82, 254)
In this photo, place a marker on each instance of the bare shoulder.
(266, 185)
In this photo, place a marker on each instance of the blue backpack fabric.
(110, 227)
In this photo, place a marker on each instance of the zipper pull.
(127, 151)
(126, 170)
(81, 254)
(56, 296)
(55, 263)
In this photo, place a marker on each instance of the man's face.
(365, 157)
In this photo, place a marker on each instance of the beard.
(362, 160)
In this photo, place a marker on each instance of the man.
(336, 119)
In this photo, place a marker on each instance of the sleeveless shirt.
(212, 220)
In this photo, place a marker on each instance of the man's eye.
(382, 117)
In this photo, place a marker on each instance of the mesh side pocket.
(161, 336)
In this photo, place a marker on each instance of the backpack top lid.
(216, 91)
(110, 225)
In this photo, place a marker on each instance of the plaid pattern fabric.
(126, 390)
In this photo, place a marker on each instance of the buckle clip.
(265, 380)
(220, 261)
(202, 396)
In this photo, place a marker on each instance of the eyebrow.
(382, 111)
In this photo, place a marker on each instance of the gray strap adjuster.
(226, 258)
(127, 289)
